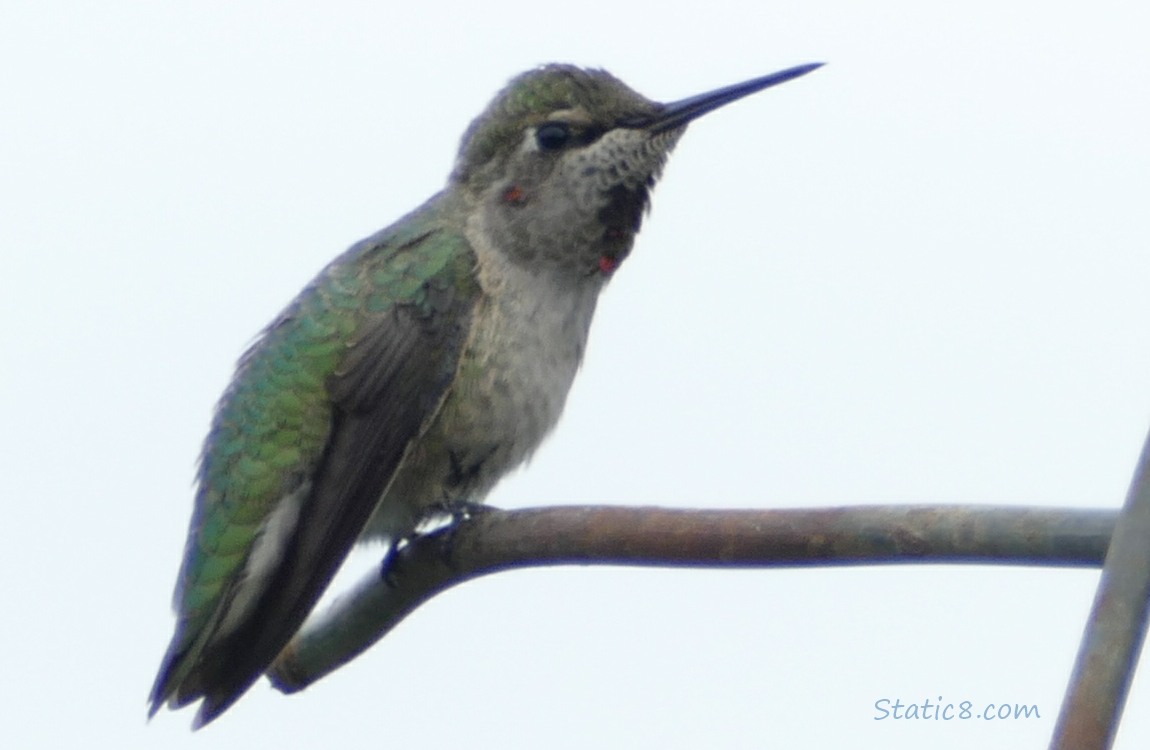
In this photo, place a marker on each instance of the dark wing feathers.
(367, 444)
(400, 360)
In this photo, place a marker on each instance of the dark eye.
(552, 136)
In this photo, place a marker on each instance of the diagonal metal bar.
(1115, 631)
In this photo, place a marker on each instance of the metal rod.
(1115, 631)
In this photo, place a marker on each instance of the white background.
(916, 275)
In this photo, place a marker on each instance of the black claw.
(387, 563)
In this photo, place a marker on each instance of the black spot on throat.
(624, 210)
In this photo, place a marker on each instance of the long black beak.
(677, 114)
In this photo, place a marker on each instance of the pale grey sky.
(916, 275)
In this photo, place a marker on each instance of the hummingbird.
(417, 368)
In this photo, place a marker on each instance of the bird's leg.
(445, 515)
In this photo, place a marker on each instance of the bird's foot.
(440, 518)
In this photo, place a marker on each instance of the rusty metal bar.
(495, 540)
(1115, 631)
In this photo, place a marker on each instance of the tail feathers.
(177, 683)
(202, 673)
(164, 688)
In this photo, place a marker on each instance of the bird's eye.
(552, 136)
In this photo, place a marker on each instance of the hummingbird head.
(561, 163)
(559, 178)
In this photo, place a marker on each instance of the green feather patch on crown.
(531, 97)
